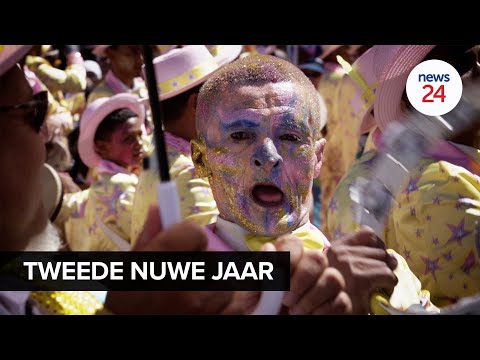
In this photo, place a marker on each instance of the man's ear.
(199, 158)
(101, 148)
(319, 148)
(192, 101)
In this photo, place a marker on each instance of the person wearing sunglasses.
(37, 107)
(24, 223)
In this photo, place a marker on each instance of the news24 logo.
(434, 87)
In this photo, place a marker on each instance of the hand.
(185, 236)
(315, 288)
(365, 265)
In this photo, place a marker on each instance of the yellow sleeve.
(342, 141)
(72, 80)
(194, 194)
(406, 293)
(73, 206)
(434, 227)
(196, 199)
(101, 90)
(341, 222)
(110, 206)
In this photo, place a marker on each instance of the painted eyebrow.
(240, 124)
(293, 126)
(287, 122)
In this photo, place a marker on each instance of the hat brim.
(388, 102)
(187, 87)
(86, 141)
(10, 55)
(52, 191)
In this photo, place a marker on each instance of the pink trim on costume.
(177, 143)
(109, 167)
(115, 83)
(445, 151)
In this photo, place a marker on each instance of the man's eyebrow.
(287, 121)
(240, 124)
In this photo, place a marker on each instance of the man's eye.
(241, 136)
(290, 137)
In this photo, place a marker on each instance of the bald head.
(257, 70)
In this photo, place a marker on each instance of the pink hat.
(381, 76)
(52, 191)
(94, 115)
(182, 69)
(99, 50)
(10, 55)
(224, 54)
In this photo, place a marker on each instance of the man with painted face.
(259, 144)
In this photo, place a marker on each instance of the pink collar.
(108, 167)
(117, 85)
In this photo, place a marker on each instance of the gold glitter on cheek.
(306, 151)
(303, 191)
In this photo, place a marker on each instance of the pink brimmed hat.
(94, 115)
(10, 55)
(380, 75)
(182, 69)
(224, 54)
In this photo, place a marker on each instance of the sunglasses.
(39, 104)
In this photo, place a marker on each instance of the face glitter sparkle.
(258, 122)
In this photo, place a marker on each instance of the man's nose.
(267, 156)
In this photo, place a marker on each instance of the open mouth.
(267, 195)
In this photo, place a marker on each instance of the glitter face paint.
(259, 154)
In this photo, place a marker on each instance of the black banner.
(217, 271)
